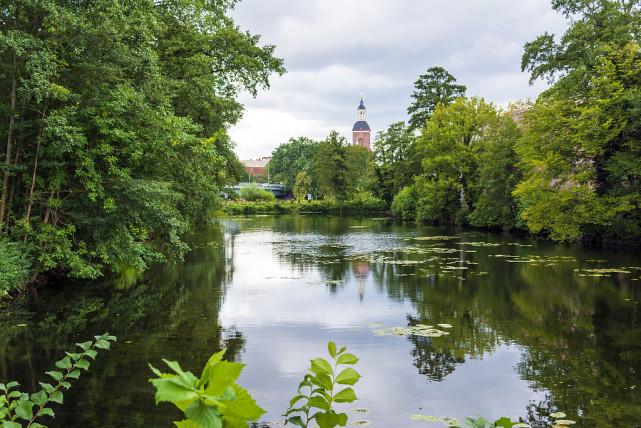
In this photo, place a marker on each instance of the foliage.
(498, 176)
(360, 204)
(254, 193)
(316, 394)
(404, 204)
(115, 125)
(436, 86)
(20, 409)
(292, 158)
(581, 154)
(303, 186)
(212, 401)
(396, 160)
(14, 266)
(450, 146)
(331, 159)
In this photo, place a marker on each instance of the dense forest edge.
(114, 134)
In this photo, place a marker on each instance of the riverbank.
(359, 206)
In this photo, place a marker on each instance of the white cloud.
(335, 50)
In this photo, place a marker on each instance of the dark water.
(533, 330)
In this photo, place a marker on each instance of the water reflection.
(529, 334)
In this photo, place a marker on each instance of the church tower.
(361, 131)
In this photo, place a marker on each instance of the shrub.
(15, 266)
(404, 203)
(254, 193)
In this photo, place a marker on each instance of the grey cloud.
(335, 50)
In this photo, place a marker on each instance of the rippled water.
(536, 327)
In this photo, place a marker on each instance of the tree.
(581, 155)
(291, 158)
(436, 86)
(498, 176)
(115, 125)
(450, 145)
(330, 165)
(396, 160)
(303, 186)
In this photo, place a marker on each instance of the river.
(536, 327)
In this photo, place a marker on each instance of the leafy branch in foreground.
(316, 391)
(19, 409)
(212, 401)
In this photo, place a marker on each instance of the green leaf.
(347, 395)
(74, 374)
(347, 359)
(186, 424)
(168, 390)
(57, 376)
(85, 345)
(295, 420)
(323, 380)
(222, 375)
(319, 403)
(244, 406)
(91, 354)
(82, 364)
(349, 376)
(10, 424)
(330, 419)
(24, 409)
(14, 394)
(320, 365)
(102, 344)
(57, 397)
(204, 416)
(46, 411)
(36, 425)
(295, 399)
(47, 387)
(39, 398)
(12, 385)
(331, 348)
(65, 363)
(65, 385)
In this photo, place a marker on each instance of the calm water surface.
(536, 327)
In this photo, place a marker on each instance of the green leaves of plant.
(31, 407)
(211, 401)
(316, 391)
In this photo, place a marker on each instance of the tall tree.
(291, 158)
(332, 167)
(436, 86)
(396, 160)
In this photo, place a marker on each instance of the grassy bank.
(357, 206)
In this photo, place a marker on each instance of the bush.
(404, 203)
(254, 193)
(15, 266)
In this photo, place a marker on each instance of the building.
(256, 167)
(361, 132)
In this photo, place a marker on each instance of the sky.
(336, 51)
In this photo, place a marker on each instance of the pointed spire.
(361, 106)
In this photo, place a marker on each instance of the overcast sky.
(336, 50)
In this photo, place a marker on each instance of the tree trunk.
(5, 181)
(27, 215)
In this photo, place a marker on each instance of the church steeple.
(361, 131)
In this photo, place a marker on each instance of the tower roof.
(361, 106)
(361, 125)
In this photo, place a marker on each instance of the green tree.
(581, 155)
(303, 186)
(450, 147)
(498, 176)
(396, 160)
(331, 166)
(289, 159)
(115, 125)
(436, 86)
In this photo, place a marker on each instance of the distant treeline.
(113, 120)
(566, 166)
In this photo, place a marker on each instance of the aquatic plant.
(19, 409)
(212, 401)
(315, 397)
